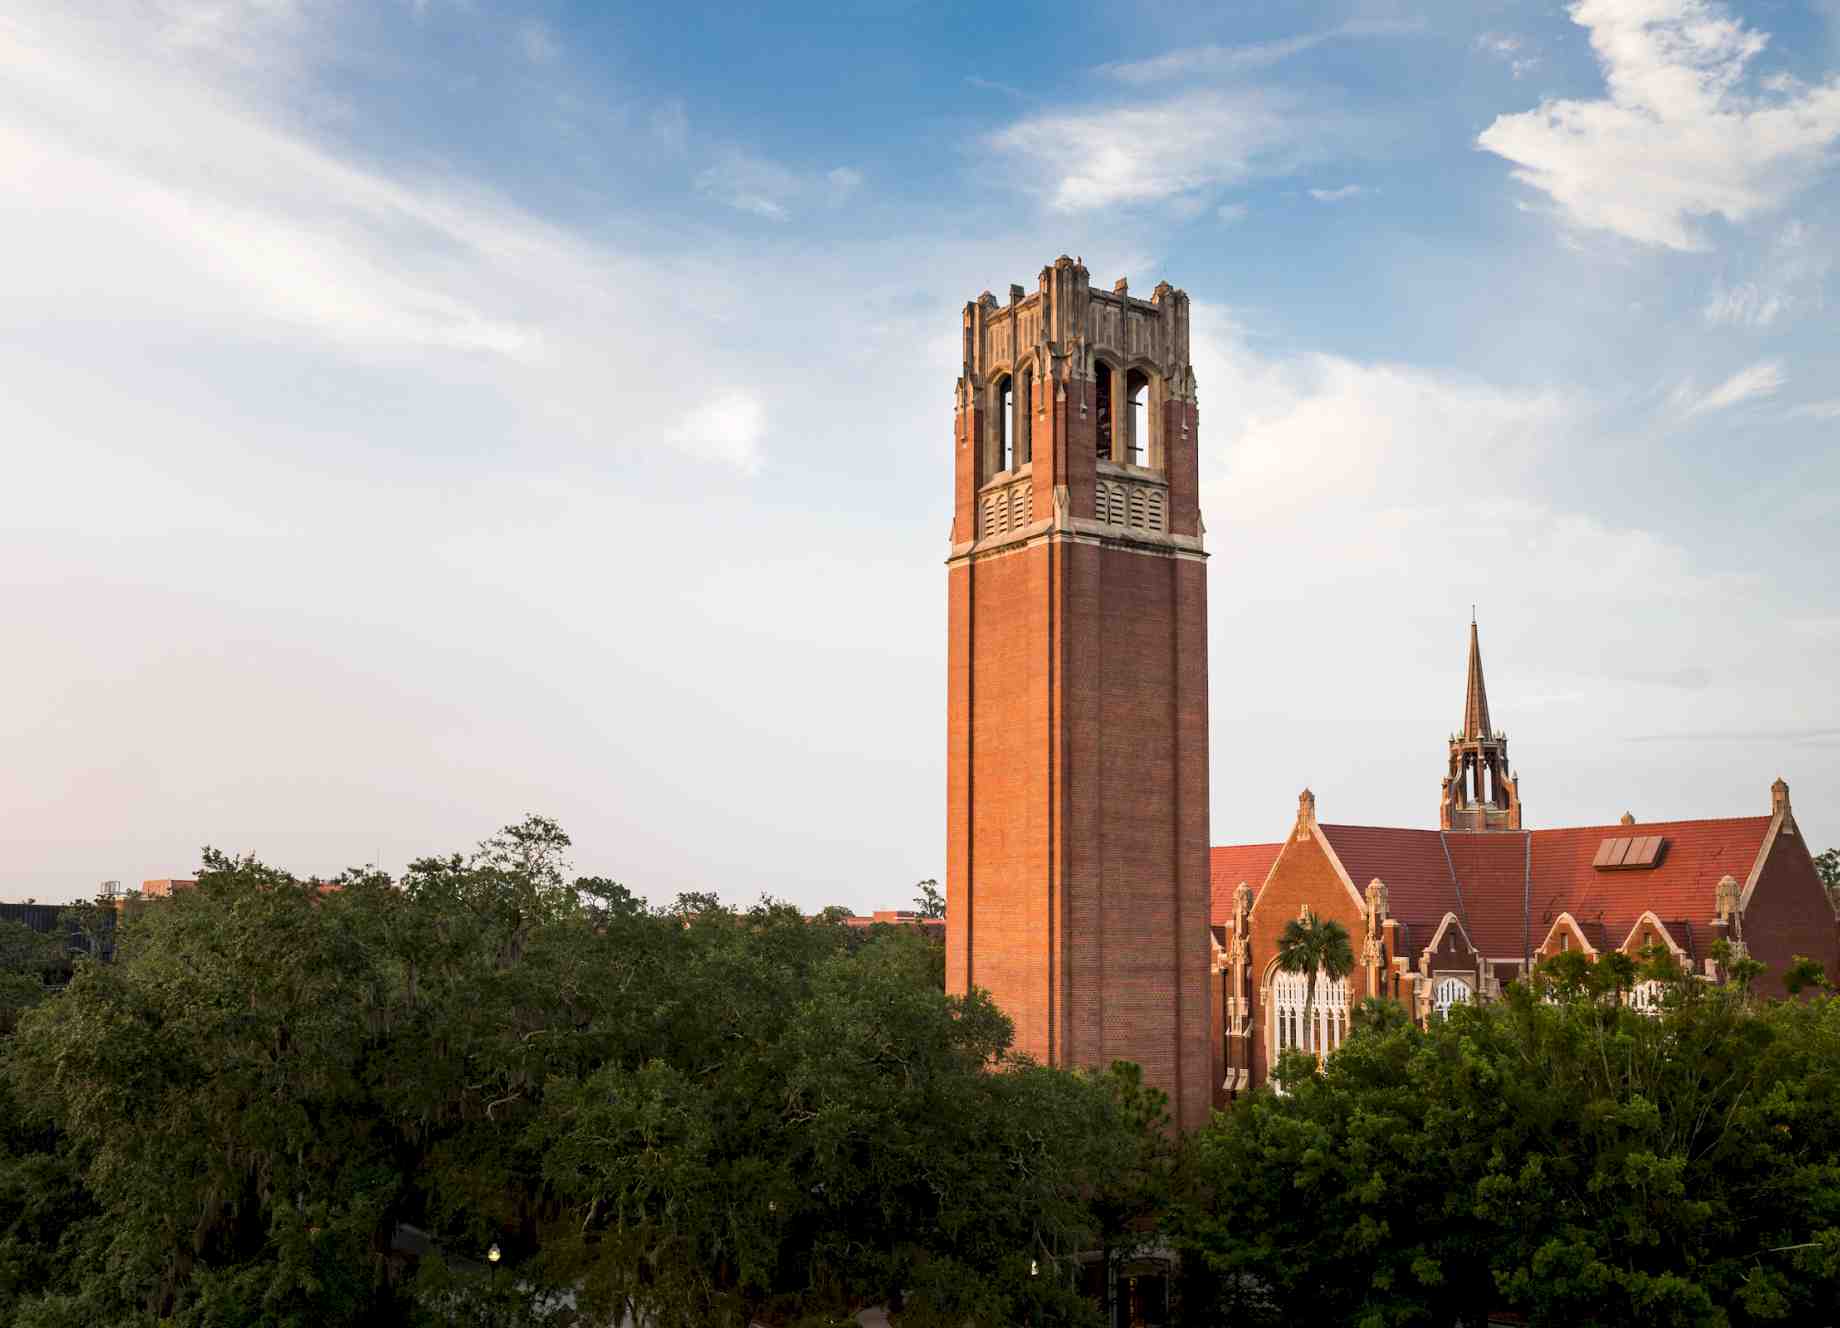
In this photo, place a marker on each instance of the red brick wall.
(998, 812)
(1789, 915)
(1077, 806)
(1303, 874)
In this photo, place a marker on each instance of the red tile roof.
(1694, 856)
(1229, 866)
(1411, 863)
(1492, 869)
(1507, 888)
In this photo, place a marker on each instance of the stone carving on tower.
(1480, 792)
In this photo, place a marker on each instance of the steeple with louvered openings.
(1476, 700)
(1480, 793)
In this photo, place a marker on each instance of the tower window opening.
(1137, 417)
(1102, 389)
(1025, 419)
(1006, 411)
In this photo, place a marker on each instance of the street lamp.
(494, 1254)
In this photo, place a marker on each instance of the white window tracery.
(1646, 996)
(1327, 1027)
(1449, 992)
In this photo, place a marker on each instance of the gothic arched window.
(1102, 392)
(1646, 997)
(1326, 1027)
(1025, 420)
(1137, 418)
(1449, 992)
(1004, 425)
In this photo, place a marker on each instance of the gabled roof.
(1227, 867)
(1506, 889)
(1420, 889)
(1681, 885)
(1491, 868)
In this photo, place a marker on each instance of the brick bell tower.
(1077, 712)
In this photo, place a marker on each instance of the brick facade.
(1077, 846)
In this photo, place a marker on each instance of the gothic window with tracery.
(1646, 997)
(1327, 1025)
(1449, 992)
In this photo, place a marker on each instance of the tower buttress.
(1480, 792)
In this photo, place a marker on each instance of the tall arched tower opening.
(1077, 713)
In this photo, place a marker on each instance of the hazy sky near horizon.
(418, 413)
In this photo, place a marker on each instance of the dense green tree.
(26, 958)
(281, 1090)
(1558, 1154)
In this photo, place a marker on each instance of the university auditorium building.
(1081, 889)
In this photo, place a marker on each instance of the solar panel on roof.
(1628, 854)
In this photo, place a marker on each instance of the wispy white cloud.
(247, 230)
(1233, 212)
(669, 124)
(1340, 194)
(1211, 60)
(1818, 410)
(1789, 277)
(1677, 138)
(537, 41)
(1762, 379)
(1149, 153)
(1510, 49)
(751, 183)
(1744, 305)
(991, 85)
(841, 183)
(1216, 61)
(728, 427)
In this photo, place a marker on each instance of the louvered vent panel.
(1158, 519)
(1140, 503)
(1116, 513)
(994, 514)
(1019, 507)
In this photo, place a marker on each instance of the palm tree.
(1314, 946)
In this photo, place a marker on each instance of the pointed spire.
(1476, 701)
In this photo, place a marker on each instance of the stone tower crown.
(1065, 323)
(1077, 405)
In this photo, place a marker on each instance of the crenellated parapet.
(1076, 407)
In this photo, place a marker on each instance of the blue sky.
(421, 413)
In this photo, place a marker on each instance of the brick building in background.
(1077, 720)
(1439, 917)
